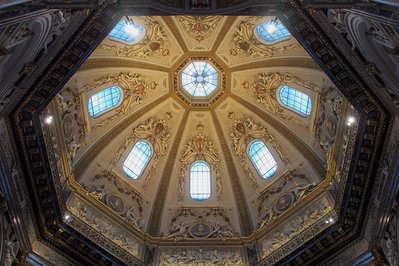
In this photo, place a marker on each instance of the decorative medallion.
(283, 202)
(116, 203)
(68, 125)
(200, 230)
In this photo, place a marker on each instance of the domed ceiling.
(199, 90)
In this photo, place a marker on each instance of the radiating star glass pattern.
(104, 101)
(199, 79)
(120, 34)
(295, 100)
(262, 159)
(200, 180)
(137, 159)
(281, 33)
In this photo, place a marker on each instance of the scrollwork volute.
(155, 132)
(199, 27)
(245, 131)
(152, 44)
(134, 89)
(245, 42)
(199, 148)
(265, 88)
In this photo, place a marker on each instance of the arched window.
(295, 100)
(262, 159)
(273, 31)
(104, 101)
(137, 159)
(129, 33)
(200, 180)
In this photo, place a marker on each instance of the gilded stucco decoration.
(153, 43)
(282, 196)
(200, 223)
(199, 27)
(131, 210)
(155, 132)
(199, 148)
(327, 117)
(265, 89)
(70, 105)
(202, 256)
(246, 130)
(245, 42)
(105, 227)
(294, 227)
(134, 89)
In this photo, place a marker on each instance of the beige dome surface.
(106, 205)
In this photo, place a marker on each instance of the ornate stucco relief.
(134, 88)
(244, 131)
(199, 148)
(199, 27)
(155, 132)
(131, 210)
(245, 42)
(293, 230)
(282, 196)
(200, 223)
(205, 257)
(104, 227)
(265, 89)
(153, 43)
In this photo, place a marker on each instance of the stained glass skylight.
(200, 181)
(262, 159)
(137, 159)
(129, 33)
(295, 100)
(272, 35)
(104, 101)
(199, 79)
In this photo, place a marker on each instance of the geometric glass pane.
(280, 33)
(262, 159)
(104, 101)
(200, 181)
(199, 79)
(295, 100)
(129, 33)
(137, 159)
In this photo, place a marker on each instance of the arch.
(104, 101)
(127, 33)
(280, 33)
(295, 100)
(262, 159)
(138, 159)
(200, 180)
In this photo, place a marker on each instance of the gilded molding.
(199, 27)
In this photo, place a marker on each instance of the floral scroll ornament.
(265, 88)
(153, 42)
(199, 148)
(199, 27)
(245, 42)
(155, 132)
(244, 131)
(134, 88)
